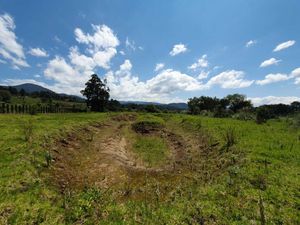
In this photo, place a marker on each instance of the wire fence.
(34, 109)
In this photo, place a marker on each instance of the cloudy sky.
(165, 51)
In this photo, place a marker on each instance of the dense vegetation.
(237, 106)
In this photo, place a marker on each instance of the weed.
(27, 129)
(48, 158)
(262, 211)
(230, 137)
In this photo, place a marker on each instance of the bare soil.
(98, 156)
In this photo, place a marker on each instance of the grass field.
(126, 168)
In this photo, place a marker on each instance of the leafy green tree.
(295, 106)
(238, 102)
(5, 96)
(96, 93)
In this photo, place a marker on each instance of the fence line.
(33, 109)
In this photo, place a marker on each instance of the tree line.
(238, 106)
(97, 95)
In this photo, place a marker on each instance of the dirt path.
(100, 157)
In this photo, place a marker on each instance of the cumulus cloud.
(159, 66)
(273, 100)
(201, 63)
(296, 74)
(10, 49)
(230, 79)
(178, 49)
(70, 74)
(269, 62)
(273, 78)
(103, 38)
(284, 45)
(38, 52)
(250, 43)
(203, 75)
(126, 86)
(164, 85)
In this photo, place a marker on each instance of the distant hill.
(30, 88)
(181, 106)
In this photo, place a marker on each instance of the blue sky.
(166, 51)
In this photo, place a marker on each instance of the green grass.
(24, 197)
(152, 150)
(268, 165)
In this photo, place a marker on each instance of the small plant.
(48, 157)
(262, 211)
(230, 137)
(27, 128)
(33, 110)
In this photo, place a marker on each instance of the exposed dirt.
(100, 157)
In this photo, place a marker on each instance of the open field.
(128, 168)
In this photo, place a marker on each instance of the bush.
(262, 115)
(244, 116)
(147, 124)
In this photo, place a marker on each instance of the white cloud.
(284, 45)
(273, 100)
(230, 79)
(102, 39)
(159, 66)
(101, 45)
(2, 61)
(177, 49)
(203, 74)
(122, 52)
(69, 75)
(269, 62)
(10, 49)
(60, 71)
(37, 76)
(201, 63)
(251, 43)
(273, 78)
(81, 62)
(38, 52)
(161, 87)
(130, 44)
(126, 66)
(296, 74)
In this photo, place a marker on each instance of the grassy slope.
(270, 169)
(34, 101)
(23, 195)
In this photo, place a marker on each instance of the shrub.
(147, 124)
(230, 137)
(262, 115)
(244, 116)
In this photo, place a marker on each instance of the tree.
(237, 102)
(295, 106)
(5, 96)
(96, 93)
(22, 92)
